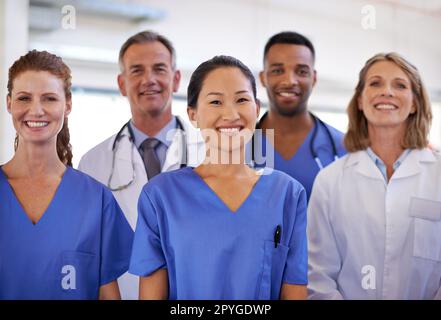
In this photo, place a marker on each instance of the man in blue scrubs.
(303, 144)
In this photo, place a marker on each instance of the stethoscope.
(317, 122)
(119, 135)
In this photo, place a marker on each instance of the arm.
(110, 291)
(324, 259)
(293, 292)
(154, 286)
(295, 276)
(148, 259)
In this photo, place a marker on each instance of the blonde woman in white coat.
(374, 218)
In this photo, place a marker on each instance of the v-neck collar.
(220, 201)
(23, 212)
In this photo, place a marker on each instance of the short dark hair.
(144, 37)
(288, 37)
(201, 72)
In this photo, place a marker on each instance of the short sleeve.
(296, 271)
(147, 253)
(116, 241)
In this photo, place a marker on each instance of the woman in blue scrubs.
(222, 230)
(62, 234)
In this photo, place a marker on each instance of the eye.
(215, 102)
(401, 86)
(160, 69)
(374, 83)
(242, 100)
(51, 99)
(303, 72)
(276, 71)
(24, 98)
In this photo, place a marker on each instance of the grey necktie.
(151, 160)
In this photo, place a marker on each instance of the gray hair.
(143, 37)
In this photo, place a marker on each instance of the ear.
(192, 115)
(8, 103)
(257, 108)
(413, 108)
(262, 78)
(68, 108)
(360, 105)
(176, 80)
(121, 85)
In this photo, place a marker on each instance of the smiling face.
(289, 78)
(148, 79)
(38, 106)
(226, 110)
(387, 98)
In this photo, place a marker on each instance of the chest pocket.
(427, 228)
(78, 276)
(274, 261)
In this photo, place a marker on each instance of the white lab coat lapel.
(412, 163)
(174, 154)
(126, 157)
(364, 165)
(194, 147)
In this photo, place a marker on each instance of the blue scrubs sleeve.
(116, 241)
(296, 271)
(147, 253)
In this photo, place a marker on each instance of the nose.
(291, 78)
(230, 112)
(386, 90)
(36, 109)
(148, 78)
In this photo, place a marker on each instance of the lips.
(385, 106)
(289, 93)
(230, 131)
(150, 92)
(36, 124)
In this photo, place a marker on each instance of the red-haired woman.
(62, 234)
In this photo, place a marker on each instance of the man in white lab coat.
(374, 217)
(154, 140)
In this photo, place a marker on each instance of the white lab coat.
(369, 239)
(98, 163)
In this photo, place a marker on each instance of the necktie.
(151, 160)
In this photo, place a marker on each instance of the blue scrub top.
(211, 252)
(81, 242)
(302, 165)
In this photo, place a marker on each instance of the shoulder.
(167, 181)
(87, 184)
(337, 137)
(337, 168)
(279, 180)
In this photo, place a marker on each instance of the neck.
(285, 124)
(31, 160)
(151, 124)
(219, 162)
(386, 143)
(223, 170)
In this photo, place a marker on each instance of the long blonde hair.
(418, 123)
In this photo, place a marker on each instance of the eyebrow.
(135, 66)
(397, 78)
(221, 94)
(279, 64)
